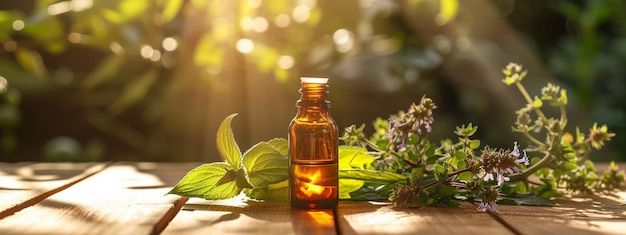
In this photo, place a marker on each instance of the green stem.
(563, 117)
(522, 90)
(369, 143)
(532, 139)
(449, 177)
(547, 159)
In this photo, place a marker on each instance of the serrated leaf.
(347, 186)
(242, 180)
(226, 144)
(281, 145)
(211, 181)
(265, 165)
(352, 157)
(228, 177)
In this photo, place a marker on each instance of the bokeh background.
(151, 80)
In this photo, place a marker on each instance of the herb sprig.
(400, 163)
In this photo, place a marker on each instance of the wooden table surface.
(129, 198)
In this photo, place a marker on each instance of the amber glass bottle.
(313, 156)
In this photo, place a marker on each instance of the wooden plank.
(382, 218)
(236, 216)
(125, 198)
(24, 184)
(590, 214)
(572, 215)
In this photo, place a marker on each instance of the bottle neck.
(313, 96)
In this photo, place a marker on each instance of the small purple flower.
(524, 159)
(515, 151)
(402, 147)
(485, 176)
(490, 176)
(502, 179)
(492, 206)
(497, 163)
(417, 119)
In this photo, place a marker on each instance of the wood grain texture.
(589, 214)
(236, 216)
(24, 184)
(128, 198)
(125, 198)
(367, 218)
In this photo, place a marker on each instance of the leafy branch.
(262, 172)
(262, 165)
(398, 161)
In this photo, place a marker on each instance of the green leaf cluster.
(262, 172)
(264, 164)
(358, 180)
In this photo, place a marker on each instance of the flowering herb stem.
(522, 90)
(563, 116)
(399, 161)
(533, 139)
(546, 160)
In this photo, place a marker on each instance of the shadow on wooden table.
(242, 217)
(29, 172)
(578, 214)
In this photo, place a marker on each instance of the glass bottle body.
(313, 154)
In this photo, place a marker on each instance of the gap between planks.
(169, 216)
(30, 202)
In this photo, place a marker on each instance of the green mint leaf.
(373, 191)
(226, 144)
(228, 177)
(281, 145)
(242, 180)
(352, 157)
(265, 165)
(213, 181)
(371, 175)
(273, 192)
(474, 144)
(347, 186)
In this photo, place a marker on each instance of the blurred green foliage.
(146, 79)
(128, 68)
(591, 59)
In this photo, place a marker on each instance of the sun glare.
(66, 6)
(259, 24)
(18, 25)
(286, 62)
(3, 84)
(169, 44)
(344, 40)
(301, 13)
(282, 20)
(245, 45)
